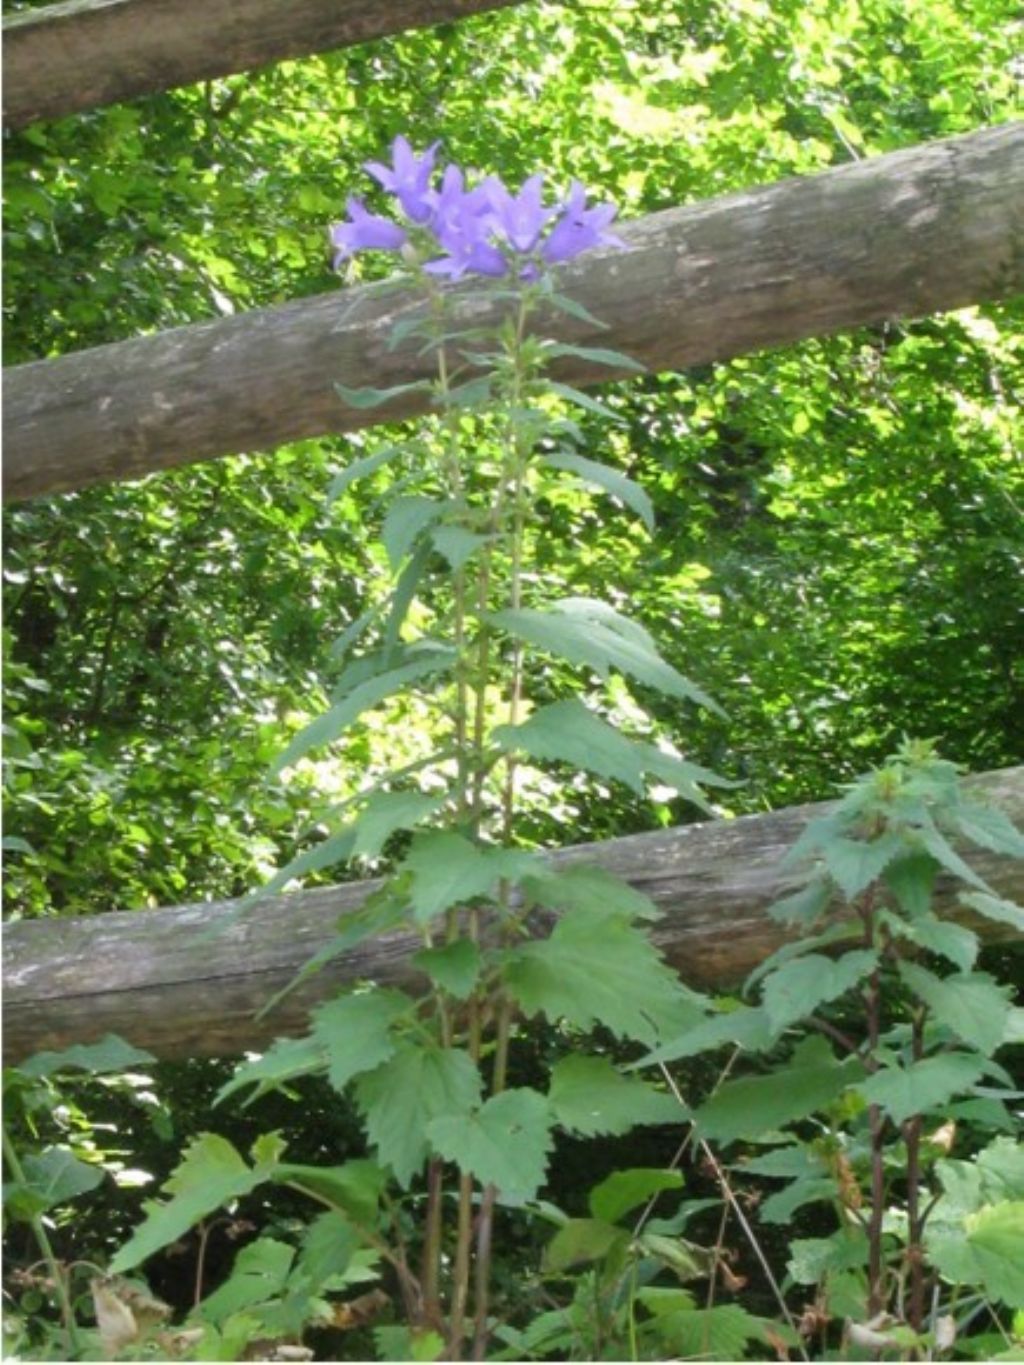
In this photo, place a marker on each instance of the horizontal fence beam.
(69, 57)
(903, 235)
(164, 981)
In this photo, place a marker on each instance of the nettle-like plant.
(863, 1113)
(459, 628)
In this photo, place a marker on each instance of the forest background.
(838, 549)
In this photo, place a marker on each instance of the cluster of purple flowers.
(485, 230)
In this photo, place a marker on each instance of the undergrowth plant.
(461, 624)
(884, 1037)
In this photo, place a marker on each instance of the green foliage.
(505, 1143)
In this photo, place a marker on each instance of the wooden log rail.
(75, 55)
(902, 235)
(159, 979)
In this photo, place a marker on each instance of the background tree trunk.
(165, 981)
(907, 234)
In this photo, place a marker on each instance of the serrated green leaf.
(589, 889)
(328, 1246)
(370, 397)
(746, 1027)
(334, 722)
(356, 1032)
(407, 1093)
(622, 1191)
(210, 1174)
(995, 908)
(941, 851)
(359, 469)
(990, 828)
(797, 988)
(915, 1089)
(594, 643)
(456, 544)
(406, 518)
(505, 1143)
(911, 879)
(448, 869)
(568, 732)
(780, 1207)
(854, 863)
(949, 940)
(283, 1061)
(581, 1240)
(614, 977)
(720, 1333)
(589, 1096)
(354, 1188)
(109, 1054)
(971, 1004)
(387, 812)
(749, 1106)
(260, 1272)
(612, 481)
(455, 967)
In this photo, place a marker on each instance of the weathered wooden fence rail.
(160, 980)
(907, 234)
(77, 54)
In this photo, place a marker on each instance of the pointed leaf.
(456, 544)
(355, 1032)
(610, 480)
(581, 1240)
(596, 644)
(588, 1096)
(915, 1089)
(911, 878)
(971, 1004)
(580, 399)
(505, 1144)
(797, 988)
(591, 890)
(455, 967)
(947, 939)
(359, 469)
(210, 1174)
(387, 812)
(622, 1191)
(597, 355)
(447, 869)
(568, 732)
(372, 398)
(401, 1097)
(55, 1176)
(720, 1333)
(940, 850)
(995, 908)
(259, 1273)
(109, 1054)
(283, 1061)
(991, 829)
(804, 907)
(406, 518)
(855, 864)
(614, 977)
(355, 1188)
(749, 1106)
(745, 1027)
(334, 722)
